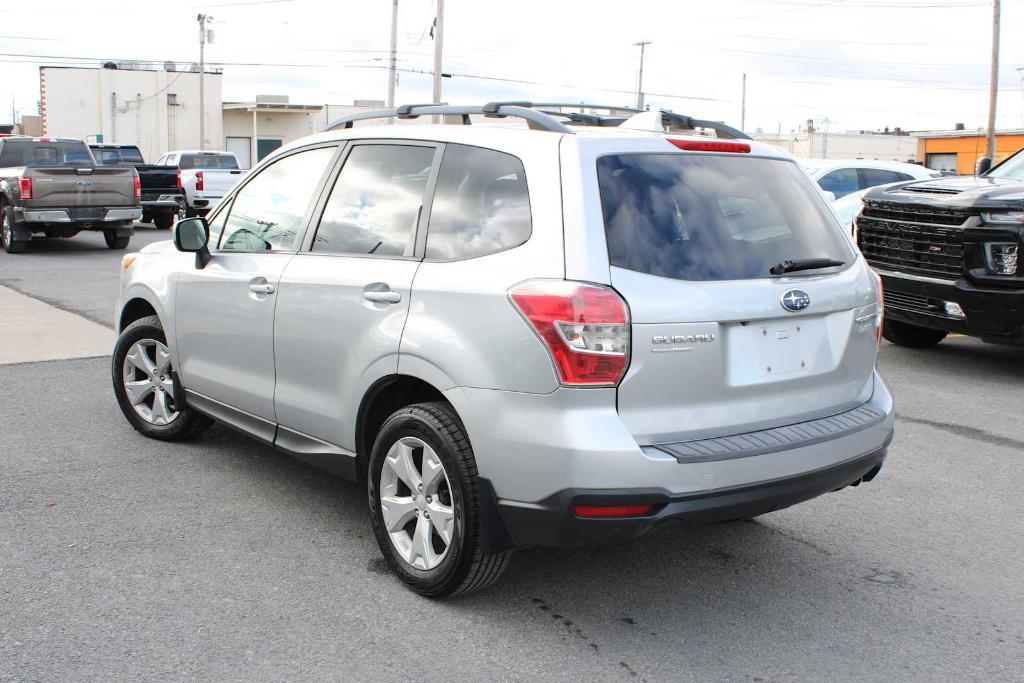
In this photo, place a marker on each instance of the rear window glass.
(113, 157)
(707, 217)
(44, 154)
(190, 161)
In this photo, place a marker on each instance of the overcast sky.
(859, 64)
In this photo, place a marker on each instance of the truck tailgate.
(82, 186)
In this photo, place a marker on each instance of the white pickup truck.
(204, 176)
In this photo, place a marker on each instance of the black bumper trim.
(551, 522)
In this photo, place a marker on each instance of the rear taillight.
(880, 299)
(24, 188)
(584, 326)
(612, 510)
(199, 181)
(179, 177)
(710, 145)
(137, 184)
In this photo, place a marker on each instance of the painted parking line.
(34, 331)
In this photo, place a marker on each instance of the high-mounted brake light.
(24, 188)
(584, 326)
(880, 297)
(199, 181)
(137, 186)
(612, 510)
(710, 145)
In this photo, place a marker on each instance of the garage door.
(941, 162)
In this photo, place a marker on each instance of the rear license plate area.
(775, 350)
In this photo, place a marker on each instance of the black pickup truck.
(162, 197)
(947, 251)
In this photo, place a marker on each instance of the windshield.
(709, 217)
(226, 161)
(30, 153)
(1011, 168)
(113, 157)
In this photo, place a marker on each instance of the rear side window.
(870, 177)
(375, 203)
(706, 217)
(840, 182)
(202, 161)
(481, 204)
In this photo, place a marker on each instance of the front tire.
(114, 241)
(144, 386)
(425, 503)
(10, 245)
(911, 336)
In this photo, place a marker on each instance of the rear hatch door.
(719, 345)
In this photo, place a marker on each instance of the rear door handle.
(261, 289)
(383, 297)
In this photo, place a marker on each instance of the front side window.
(268, 212)
(710, 217)
(375, 203)
(481, 204)
(840, 182)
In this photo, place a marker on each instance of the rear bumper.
(552, 522)
(69, 216)
(162, 203)
(995, 315)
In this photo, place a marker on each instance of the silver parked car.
(554, 335)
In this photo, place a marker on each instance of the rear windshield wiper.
(803, 264)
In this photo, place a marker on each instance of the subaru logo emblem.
(795, 300)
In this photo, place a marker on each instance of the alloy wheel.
(147, 381)
(416, 502)
(5, 235)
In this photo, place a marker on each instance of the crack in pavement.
(967, 432)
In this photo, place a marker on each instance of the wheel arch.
(138, 303)
(381, 399)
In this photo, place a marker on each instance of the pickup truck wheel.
(10, 245)
(163, 221)
(144, 384)
(911, 336)
(114, 241)
(425, 503)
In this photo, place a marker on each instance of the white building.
(818, 144)
(154, 108)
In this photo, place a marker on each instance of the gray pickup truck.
(53, 187)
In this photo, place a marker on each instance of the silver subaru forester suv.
(552, 334)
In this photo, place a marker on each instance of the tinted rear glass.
(707, 217)
(227, 161)
(113, 157)
(29, 153)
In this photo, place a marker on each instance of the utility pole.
(642, 44)
(743, 105)
(993, 86)
(1020, 72)
(438, 46)
(202, 19)
(392, 66)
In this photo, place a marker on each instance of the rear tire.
(147, 217)
(114, 241)
(149, 410)
(163, 221)
(10, 245)
(911, 336)
(431, 438)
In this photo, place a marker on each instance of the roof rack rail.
(583, 119)
(535, 119)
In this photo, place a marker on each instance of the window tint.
(223, 161)
(704, 217)
(106, 156)
(376, 200)
(481, 204)
(840, 182)
(268, 212)
(28, 153)
(877, 176)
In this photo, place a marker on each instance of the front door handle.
(383, 297)
(261, 289)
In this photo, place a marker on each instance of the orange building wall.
(968, 149)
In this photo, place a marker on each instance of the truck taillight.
(199, 181)
(880, 298)
(585, 328)
(179, 177)
(137, 185)
(25, 188)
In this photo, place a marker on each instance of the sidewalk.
(32, 331)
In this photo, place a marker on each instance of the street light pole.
(993, 87)
(392, 65)
(438, 37)
(640, 74)
(202, 19)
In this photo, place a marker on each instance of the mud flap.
(22, 233)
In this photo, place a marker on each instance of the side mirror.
(191, 235)
(983, 165)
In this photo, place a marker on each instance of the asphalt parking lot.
(124, 558)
